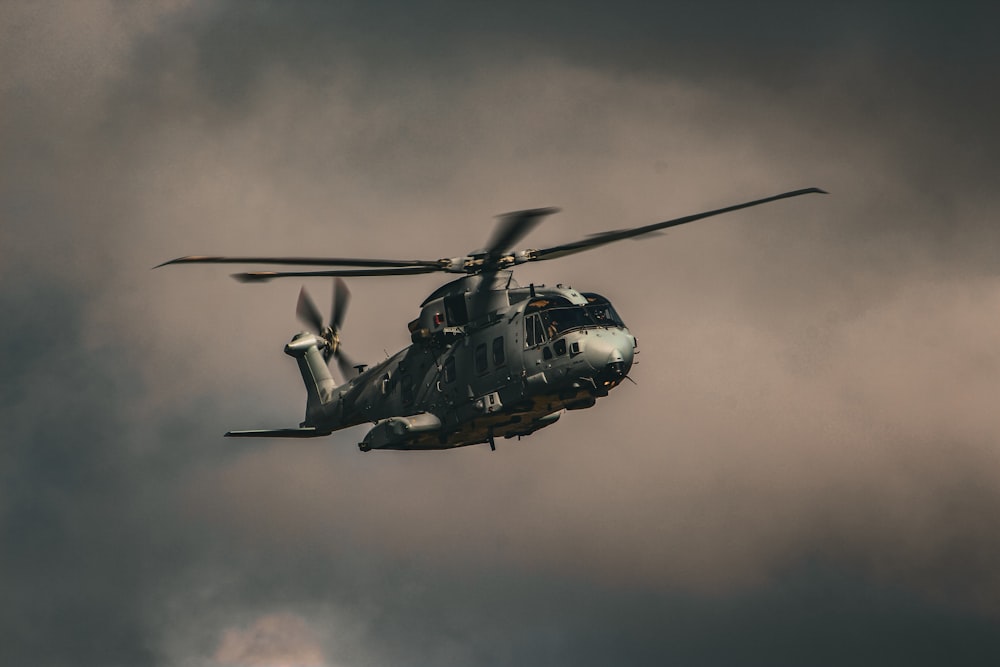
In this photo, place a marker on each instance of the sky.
(805, 472)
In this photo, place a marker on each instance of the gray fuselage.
(483, 364)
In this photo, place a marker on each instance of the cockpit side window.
(534, 331)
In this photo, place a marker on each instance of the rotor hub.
(332, 338)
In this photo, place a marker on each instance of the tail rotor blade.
(341, 297)
(346, 366)
(306, 311)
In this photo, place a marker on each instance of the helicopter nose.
(611, 358)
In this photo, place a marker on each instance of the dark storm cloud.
(909, 77)
(811, 449)
(72, 552)
(727, 39)
(416, 616)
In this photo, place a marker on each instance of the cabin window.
(498, 352)
(449, 370)
(546, 352)
(480, 358)
(559, 347)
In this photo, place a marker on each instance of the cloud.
(813, 411)
(274, 640)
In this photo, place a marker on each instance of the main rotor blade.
(610, 237)
(308, 312)
(341, 297)
(513, 227)
(261, 276)
(304, 261)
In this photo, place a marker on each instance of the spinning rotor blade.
(513, 227)
(341, 297)
(259, 276)
(609, 237)
(346, 366)
(305, 261)
(308, 312)
(487, 262)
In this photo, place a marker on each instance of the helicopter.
(488, 358)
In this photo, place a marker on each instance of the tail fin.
(315, 374)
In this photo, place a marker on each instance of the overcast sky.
(807, 471)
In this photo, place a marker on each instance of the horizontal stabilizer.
(278, 433)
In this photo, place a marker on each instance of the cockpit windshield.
(550, 317)
(601, 311)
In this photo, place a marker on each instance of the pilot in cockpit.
(553, 328)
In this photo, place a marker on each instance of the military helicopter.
(488, 359)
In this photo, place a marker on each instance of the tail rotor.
(309, 314)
